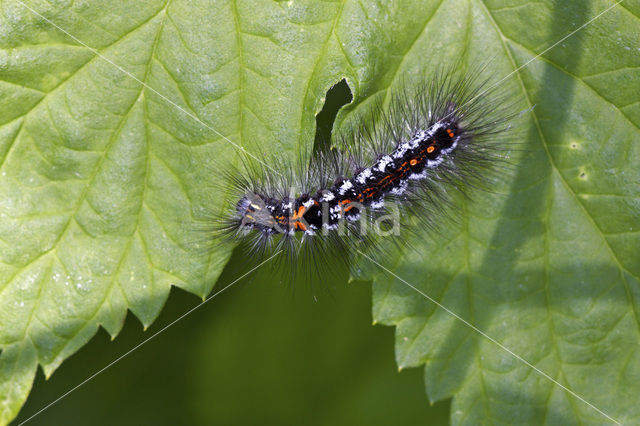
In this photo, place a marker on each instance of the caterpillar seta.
(391, 171)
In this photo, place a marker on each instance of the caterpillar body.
(390, 174)
(443, 135)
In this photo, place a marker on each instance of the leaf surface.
(548, 265)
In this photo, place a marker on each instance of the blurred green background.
(260, 353)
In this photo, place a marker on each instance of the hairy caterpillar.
(446, 133)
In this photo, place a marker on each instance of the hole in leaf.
(337, 96)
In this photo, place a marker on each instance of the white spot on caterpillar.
(452, 147)
(402, 149)
(310, 202)
(434, 163)
(384, 161)
(437, 126)
(327, 196)
(347, 185)
(413, 143)
(400, 189)
(378, 204)
(363, 176)
(418, 176)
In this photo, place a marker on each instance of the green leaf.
(104, 172)
(549, 264)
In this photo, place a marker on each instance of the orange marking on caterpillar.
(300, 212)
(370, 193)
(300, 225)
(392, 177)
(345, 202)
(413, 162)
(450, 133)
(430, 149)
(385, 178)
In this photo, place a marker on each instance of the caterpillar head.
(254, 213)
